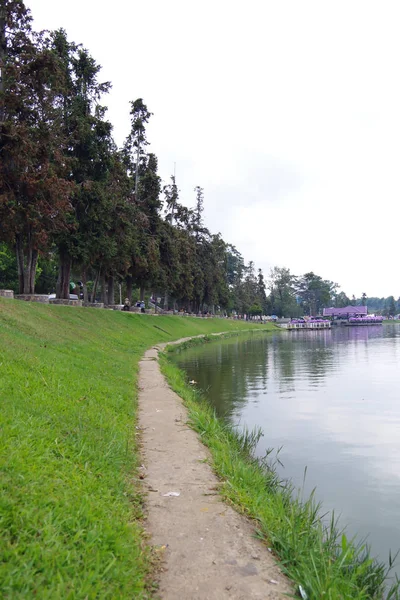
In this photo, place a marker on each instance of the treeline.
(291, 295)
(382, 306)
(67, 190)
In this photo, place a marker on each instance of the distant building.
(346, 312)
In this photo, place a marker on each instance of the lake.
(331, 401)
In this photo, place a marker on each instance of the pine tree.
(91, 151)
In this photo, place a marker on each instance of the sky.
(286, 113)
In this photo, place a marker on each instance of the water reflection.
(331, 398)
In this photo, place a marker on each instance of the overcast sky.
(287, 113)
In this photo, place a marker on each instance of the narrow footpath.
(210, 550)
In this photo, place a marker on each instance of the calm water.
(332, 400)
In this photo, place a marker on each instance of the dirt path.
(210, 553)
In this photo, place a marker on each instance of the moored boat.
(311, 323)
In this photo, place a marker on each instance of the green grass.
(70, 501)
(316, 556)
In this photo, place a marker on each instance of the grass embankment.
(317, 557)
(70, 504)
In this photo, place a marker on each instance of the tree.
(363, 299)
(390, 306)
(171, 195)
(341, 300)
(215, 285)
(136, 141)
(234, 269)
(34, 191)
(197, 224)
(92, 156)
(177, 217)
(282, 286)
(145, 264)
(248, 291)
(8, 269)
(315, 292)
(201, 257)
(142, 170)
(261, 294)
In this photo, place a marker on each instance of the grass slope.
(69, 500)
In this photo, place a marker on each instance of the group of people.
(139, 304)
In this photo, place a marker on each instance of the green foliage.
(8, 269)
(363, 299)
(391, 307)
(384, 306)
(315, 293)
(341, 300)
(282, 287)
(255, 309)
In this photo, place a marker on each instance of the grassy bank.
(317, 557)
(70, 505)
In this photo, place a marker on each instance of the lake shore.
(314, 555)
(209, 551)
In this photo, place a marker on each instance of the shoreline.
(319, 559)
(209, 551)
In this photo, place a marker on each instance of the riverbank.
(71, 499)
(315, 556)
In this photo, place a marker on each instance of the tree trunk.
(27, 266)
(142, 291)
(111, 291)
(129, 282)
(84, 285)
(20, 262)
(64, 276)
(166, 300)
(103, 289)
(32, 271)
(96, 283)
(3, 51)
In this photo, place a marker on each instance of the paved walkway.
(211, 552)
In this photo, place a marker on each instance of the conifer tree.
(34, 190)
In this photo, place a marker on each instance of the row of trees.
(309, 294)
(68, 191)
(382, 306)
(292, 295)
